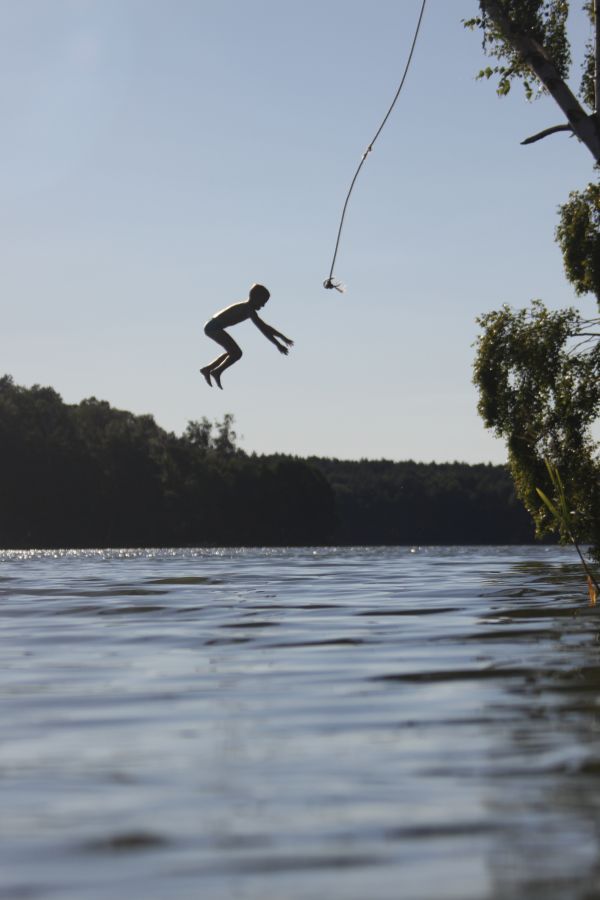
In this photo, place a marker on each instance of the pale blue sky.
(159, 157)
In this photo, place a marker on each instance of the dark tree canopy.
(89, 475)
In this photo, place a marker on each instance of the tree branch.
(586, 127)
(545, 133)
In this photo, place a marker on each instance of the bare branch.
(576, 351)
(545, 133)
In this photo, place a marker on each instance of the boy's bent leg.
(217, 362)
(233, 354)
(228, 361)
(221, 337)
(206, 371)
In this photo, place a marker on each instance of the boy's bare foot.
(217, 377)
(206, 373)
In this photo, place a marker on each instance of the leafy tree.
(538, 371)
(224, 442)
(385, 502)
(579, 237)
(89, 475)
(529, 40)
(200, 435)
(539, 386)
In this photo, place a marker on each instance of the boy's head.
(258, 295)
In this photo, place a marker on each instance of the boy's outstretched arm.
(272, 334)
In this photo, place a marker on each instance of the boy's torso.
(233, 315)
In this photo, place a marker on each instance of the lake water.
(306, 724)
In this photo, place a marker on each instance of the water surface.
(317, 723)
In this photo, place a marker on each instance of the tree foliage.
(545, 21)
(386, 502)
(538, 371)
(578, 235)
(89, 475)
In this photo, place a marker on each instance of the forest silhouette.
(89, 475)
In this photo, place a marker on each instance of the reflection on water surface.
(353, 723)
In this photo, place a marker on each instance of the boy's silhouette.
(232, 315)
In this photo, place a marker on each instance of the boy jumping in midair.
(232, 315)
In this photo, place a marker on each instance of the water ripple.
(306, 723)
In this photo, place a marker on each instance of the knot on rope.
(331, 283)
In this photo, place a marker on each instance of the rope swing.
(330, 282)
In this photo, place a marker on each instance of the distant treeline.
(89, 475)
(383, 502)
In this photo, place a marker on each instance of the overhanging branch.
(586, 127)
(545, 133)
